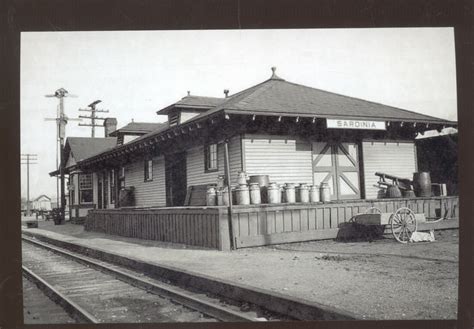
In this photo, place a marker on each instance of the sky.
(136, 73)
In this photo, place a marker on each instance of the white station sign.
(355, 124)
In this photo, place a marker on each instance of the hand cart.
(402, 222)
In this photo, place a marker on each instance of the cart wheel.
(403, 223)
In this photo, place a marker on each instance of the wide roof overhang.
(158, 138)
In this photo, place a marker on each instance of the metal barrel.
(422, 184)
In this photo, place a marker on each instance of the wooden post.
(28, 158)
(227, 177)
(28, 185)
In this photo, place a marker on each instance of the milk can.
(220, 182)
(220, 196)
(303, 193)
(290, 193)
(211, 196)
(273, 193)
(314, 193)
(234, 194)
(242, 178)
(243, 196)
(325, 191)
(225, 196)
(255, 197)
(263, 181)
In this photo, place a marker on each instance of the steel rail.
(74, 310)
(211, 309)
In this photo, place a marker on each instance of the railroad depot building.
(140, 182)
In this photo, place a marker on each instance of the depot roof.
(275, 97)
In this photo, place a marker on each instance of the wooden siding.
(285, 159)
(203, 227)
(271, 224)
(151, 193)
(396, 158)
(196, 174)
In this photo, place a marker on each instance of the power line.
(61, 121)
(92, 108)
(58, 120)
(28, 157)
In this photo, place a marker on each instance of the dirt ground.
(382, 279)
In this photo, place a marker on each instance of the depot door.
(175, 179)
(336, 163)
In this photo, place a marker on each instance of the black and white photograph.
(250, 175)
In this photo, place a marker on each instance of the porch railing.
(253, 225)
(193, 226)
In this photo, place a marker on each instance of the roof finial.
(189, 93)
(226, 92)
(274, 76)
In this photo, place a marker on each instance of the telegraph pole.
(61, 120)
(91, 108)
(28, 157)
(57, 151)
(58, 120)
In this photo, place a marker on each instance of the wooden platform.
(255, 225)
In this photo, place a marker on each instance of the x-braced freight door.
(337, 164)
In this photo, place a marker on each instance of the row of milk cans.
(251, 192)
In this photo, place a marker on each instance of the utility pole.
(61, 120)
(57, 150)
(93, 116)
(26, 160)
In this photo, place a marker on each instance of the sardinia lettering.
(356, 124)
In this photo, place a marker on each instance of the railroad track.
(39, 309)
(93, 291)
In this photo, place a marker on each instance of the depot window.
(85, 188)
(210, 156)
(148, 170)
(121, 178)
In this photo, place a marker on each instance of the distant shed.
(42, 203)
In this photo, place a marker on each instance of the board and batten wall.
(196, 174)
(285, 159)
(151, 193)
(395, 158)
